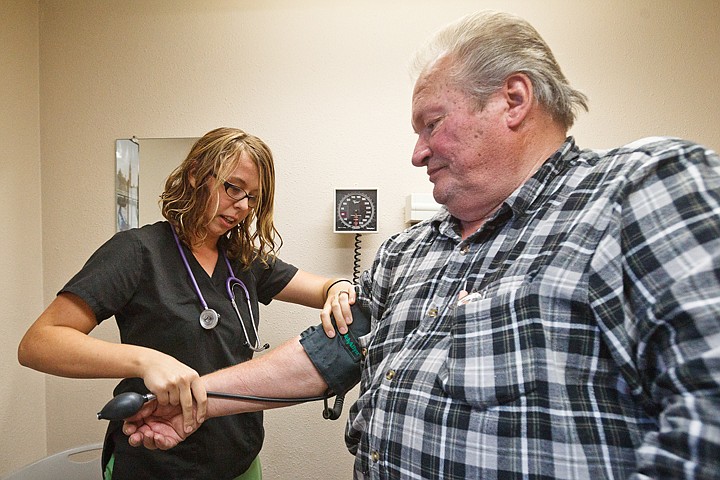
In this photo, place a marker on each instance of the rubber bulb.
(122, 406)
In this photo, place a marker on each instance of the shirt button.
(433, 312)
(374, 455)
(390, 374)
(465, 249)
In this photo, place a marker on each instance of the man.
(560, 318)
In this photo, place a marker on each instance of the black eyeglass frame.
(240, 195)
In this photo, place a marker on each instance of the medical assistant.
(139, 277)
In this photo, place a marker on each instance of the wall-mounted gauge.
(355, 210)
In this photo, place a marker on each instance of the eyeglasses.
(237, 194)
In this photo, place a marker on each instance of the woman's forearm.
(58, 343)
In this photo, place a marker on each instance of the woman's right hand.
(174, 383)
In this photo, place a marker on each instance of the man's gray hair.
(486, 48)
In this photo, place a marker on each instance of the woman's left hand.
(339, 298)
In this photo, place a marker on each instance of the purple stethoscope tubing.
(230, 284)
(209, 317)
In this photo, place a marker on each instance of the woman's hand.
(334, 296)
(175, 384)
(340, 295)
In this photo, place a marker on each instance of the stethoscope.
(209, 318)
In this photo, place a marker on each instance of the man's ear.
(519, 95)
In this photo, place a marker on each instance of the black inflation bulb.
(124, 405)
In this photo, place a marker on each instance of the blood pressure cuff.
(338, 359)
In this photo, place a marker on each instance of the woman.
(166, 285)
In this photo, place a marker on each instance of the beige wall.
(22, 392)
(325, 83)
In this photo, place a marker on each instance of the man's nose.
(421, 153)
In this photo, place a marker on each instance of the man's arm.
(671, 277)
(284, 372)
(306, 366)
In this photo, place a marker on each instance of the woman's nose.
(243, 203)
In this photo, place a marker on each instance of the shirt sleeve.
(272, 278)
(671, 245)
(110, 277)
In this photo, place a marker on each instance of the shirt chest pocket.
(495, 346)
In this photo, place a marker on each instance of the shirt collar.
(535, 187)
(522, 198)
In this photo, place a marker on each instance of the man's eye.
(432, 124)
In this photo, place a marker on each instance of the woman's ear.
(518, 90)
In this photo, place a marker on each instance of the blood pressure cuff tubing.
(338, 359)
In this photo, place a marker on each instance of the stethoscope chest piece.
(209, 319)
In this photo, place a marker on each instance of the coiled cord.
(356, 259)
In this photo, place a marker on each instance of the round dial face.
(356, 211)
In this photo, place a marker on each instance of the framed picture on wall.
(127, 175)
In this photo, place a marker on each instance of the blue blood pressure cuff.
(338, 359)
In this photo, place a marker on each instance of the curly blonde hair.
(187, 195)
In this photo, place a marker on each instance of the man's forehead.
(421, 98)
(428, 84)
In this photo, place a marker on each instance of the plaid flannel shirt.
(590, 344)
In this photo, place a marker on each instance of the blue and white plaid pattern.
(591, 344)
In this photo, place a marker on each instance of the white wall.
(325, 83)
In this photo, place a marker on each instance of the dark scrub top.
(139, 277)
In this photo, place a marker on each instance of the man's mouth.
(432, 172)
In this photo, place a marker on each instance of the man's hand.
(157, 426)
